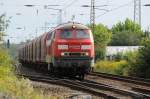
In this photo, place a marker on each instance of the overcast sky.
(32, 23)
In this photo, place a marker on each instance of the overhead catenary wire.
(70, 4)
(113, 9)
(67, 6)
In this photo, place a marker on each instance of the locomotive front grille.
(74, 54)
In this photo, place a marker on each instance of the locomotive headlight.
(86, 53)
(84, 47)
(62, 47)
(62, 54)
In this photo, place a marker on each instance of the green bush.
(112, 67)
(100, 53)
(13, 87)
(102, 36)
(122, 68)
(118, 56)
(141, 64)
(5, 63)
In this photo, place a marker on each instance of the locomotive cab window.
(66, 34)
(49, 36)
(82, 34)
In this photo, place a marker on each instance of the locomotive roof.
(70, 25)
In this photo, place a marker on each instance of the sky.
(29, 22)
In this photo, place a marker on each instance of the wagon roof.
(70, 25)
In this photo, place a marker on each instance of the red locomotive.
(68, 47)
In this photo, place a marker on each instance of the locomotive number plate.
(74, 46)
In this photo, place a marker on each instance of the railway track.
(67, 83)
(134, 80)
(137, 84)
(98, 89)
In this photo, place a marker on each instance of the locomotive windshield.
(66, 34)
(77, 34)
(82, 34)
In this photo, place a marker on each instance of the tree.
(147, 33)
(102, 36)
(126, 38)
(126, 33)
(141, 65)
(3, 25)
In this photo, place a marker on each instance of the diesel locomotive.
(67, 48)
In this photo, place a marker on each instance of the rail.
(139, 81)
(91, 87)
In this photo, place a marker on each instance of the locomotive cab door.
(49, 42)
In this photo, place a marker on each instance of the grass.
(112, 67)
(13, 87)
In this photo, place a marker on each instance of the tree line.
(125, 33)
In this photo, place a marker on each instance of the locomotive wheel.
(81, 76)
(50, 68)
